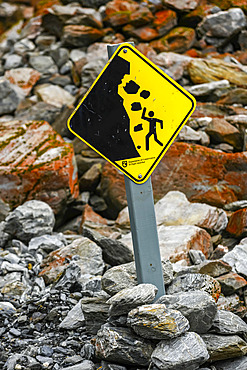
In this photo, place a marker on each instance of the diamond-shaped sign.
(132, 113)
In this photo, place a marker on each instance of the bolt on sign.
(132, 113)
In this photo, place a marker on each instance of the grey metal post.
(143, 227)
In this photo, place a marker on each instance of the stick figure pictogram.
(152, 127)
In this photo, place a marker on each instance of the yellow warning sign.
(132, 113)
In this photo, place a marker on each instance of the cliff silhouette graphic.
(102, 120)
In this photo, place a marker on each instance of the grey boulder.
(219, 27)
(122, 346)
(197, 306)
(31, 219)
(226, 322)
(129, 298)
(157, 322)
(9, 98)
(185, 352)
(232, 364)
(74, 318)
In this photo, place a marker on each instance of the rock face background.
(69, 297)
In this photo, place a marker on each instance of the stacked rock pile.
(69, 297)
(72, 302)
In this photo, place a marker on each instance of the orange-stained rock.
(92, 217)
(237, 225)
(77, 36)
(212, 110)
(164, 21)
(226, 4)
(145, 33)
(220, 130)
(36, 163)
(113, 190)
(141, 16)
(231, 283)
(178, 40)
(41, 6)
(241, 56)
(194, 53)
(233, 304)
(204, 175)
(118, 12)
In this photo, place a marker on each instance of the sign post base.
(144, 234)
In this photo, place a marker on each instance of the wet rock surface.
(69, 297)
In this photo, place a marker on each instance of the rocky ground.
(68, 290)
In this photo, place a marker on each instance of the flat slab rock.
(176, 241)
(185, 352)
(85, 365)
(222, 347)
(129, 298)
(175, 209)
(231, 283)
(35, 163)
(205, 70)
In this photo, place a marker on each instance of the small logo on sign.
(124, 163)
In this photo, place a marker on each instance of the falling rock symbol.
(136, 106)
(131, 87)
(138, 127)
(145, 94)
